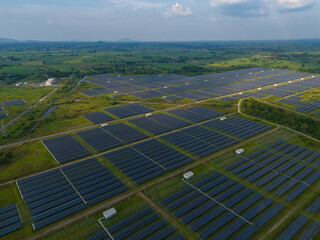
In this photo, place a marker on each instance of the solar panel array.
(93, 181)
(304, 107)
(292, 231)
(147, 160)
(98, 117)
(10, 219)
(199, 141)
(142, 224)
(195, 114)
(128, 110)
(65, 148)
(49, 197)
(59, 193)
(281, 168)
(99, 139)
(238, 127)
(3, 115)
(124, 133)
(12, 103)
(195, 88)
(218, 207)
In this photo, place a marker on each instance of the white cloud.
(216, 3)
(294, 4)
(177, 10)
(136, 4)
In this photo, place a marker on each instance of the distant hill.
(8, 40)
(126, 40)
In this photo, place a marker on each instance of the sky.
(159, 20)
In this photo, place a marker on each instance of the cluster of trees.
(5, 156)
(281, 116)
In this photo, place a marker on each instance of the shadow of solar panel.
(98, 117)
(65, 148)
(10, 220)
(135, 165)
(124, 132)
(14, 103)
(49, 197)
(99, 139)
(93, 181)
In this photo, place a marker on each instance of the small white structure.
(206, 80)
(165, 86)
(109, 213)
(259, 88)
(164, 97)
(239, 151)
(290, 81)
(49, 82)
(302, 78)
(115, 92)
(188, 175)
(148, 114)
(19, 84)
(240, 93)
(276, 85)
(187, 83)
(104, 124)
(223, 118)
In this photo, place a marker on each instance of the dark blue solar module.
(203, 213)
(128, 110)
(314, 206)
(239, 127)
(170, 121)
(99, 139)
(293, 228)
(124, 132)
(150, 125)
(98, 117)
(195, 114)
(141, 224)
(162, 154)
(93, 181)
(146, 94)
(3, 115)
(10, 219)
(14, 103)
(65, 148)
(49, 197)
(135, 165)
(1, 108)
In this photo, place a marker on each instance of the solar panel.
(49, 197)
(65, 148)
(93, 181)
(10, 219)
(98, 117)
(124, 132)
(3, 115)
(14, 103)
(150, 125)
(99, 139)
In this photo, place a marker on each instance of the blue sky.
(159, 20)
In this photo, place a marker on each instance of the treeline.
(281, 116)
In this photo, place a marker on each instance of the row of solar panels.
(66, 148)
(10, 219)
(122, 111)
(9, 104)
(280, 169)
(59, 193)
(157, 89)
(304, 107)
(218, 207)
(142, 224)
